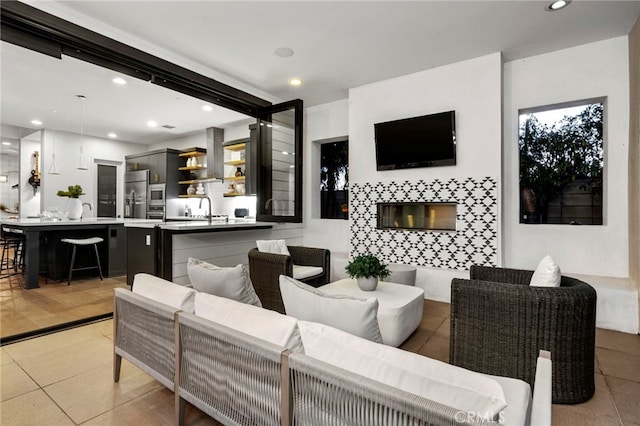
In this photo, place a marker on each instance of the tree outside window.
(334, 180)
(561, 164)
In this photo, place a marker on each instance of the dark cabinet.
(162, 165)
(141, 258)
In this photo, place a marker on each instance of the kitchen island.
(164, 249)
(43, 250)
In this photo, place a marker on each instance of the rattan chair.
(265, 270)
(499, 324)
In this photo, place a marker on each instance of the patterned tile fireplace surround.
(475, 240)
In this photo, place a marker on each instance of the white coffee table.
(399, 306)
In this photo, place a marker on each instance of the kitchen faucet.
(200, 206)
(87, 204)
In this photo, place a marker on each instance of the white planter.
(367, 284)
(74, 207)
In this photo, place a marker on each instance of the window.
(334, 179)
(561, 163)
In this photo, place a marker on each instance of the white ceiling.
(338, 45)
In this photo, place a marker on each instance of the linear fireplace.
(418, 216)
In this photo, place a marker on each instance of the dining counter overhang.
(113, 231)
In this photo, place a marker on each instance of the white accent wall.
(67, 150)
(325, 121)
(588, 71)
(472, 88)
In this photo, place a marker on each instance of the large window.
(561, 164)
(334, 179)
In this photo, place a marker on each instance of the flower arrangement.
(367, 266)
(73, 191)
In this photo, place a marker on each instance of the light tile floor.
(65, 378)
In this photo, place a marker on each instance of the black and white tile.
(475, 240)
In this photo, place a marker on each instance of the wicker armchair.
(266, 268)
(499, 324)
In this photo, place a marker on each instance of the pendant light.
(82, 164)
(53, 170)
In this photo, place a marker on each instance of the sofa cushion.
(518, 394)
(257, 322)
(164, 291)
(438, 381)
(353, 315)
(232, 283)
(301, 272)
(547, 274)
(273, 246)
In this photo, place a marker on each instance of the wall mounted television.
(424, 141)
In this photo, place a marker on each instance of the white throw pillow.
(356, 316)
(273, 246)
(232, 283)
(163, 291)
(435, 380)
(261, 323)
(547, 274)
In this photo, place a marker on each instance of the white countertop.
(86, 221)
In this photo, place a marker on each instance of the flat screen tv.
(425, 141)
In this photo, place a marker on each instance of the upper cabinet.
(162, 165)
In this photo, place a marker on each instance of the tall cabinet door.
(279, 178)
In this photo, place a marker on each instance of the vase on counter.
(75, 208)
(191, 190)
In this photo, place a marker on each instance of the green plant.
(73, 191)
(367, 265)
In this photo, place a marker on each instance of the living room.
(486, 92)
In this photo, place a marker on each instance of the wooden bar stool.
(83, 242)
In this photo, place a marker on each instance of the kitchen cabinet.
(193, 169)
(141, 249)
(162, 165)
(235, 167)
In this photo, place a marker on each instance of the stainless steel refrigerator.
(135, 194)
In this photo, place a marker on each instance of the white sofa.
(242, 364)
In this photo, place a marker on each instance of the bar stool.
(83, 242)
(12, 250)
(12, 260)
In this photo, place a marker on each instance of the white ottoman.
(399, 306)
(402, 274)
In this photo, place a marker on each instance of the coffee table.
(399, 306)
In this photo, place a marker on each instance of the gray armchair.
(266, 268)
(499, 324)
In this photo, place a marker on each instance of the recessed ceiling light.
(295, 81)
(119, 80)
(36, 122)
(207, 108)
(6, 143)
(112, 135)
(557, 5)
(152, 123)
(284, 52)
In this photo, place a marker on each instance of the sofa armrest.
(501, 275)
(265, 270)
(312, 256)
(541, 404)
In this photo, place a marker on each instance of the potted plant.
(75, 206)
(367, 269)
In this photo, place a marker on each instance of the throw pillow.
(257, 322)
(232, 283)
(435, 380)
(273, 246)
(547, 274)
(356, 316)
(163, 291)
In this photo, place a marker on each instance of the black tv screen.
(425, 141)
